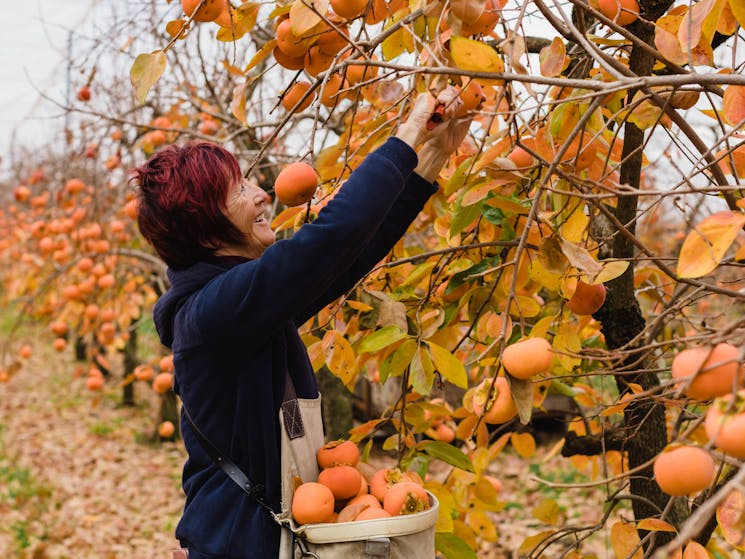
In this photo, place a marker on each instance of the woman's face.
(245, 208)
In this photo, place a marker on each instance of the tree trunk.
(129, 362)
(336, 406)
(622, 321)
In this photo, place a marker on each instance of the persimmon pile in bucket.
(343, 493)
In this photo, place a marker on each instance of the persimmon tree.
(594, 210)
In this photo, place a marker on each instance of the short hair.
(182, 192)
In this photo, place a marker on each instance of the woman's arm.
(408, 205)
(419, 187)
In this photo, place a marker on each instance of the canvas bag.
(403, 537)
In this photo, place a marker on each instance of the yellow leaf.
(421, 372)
(738, 9)
(547, 511)
(508, 205)
(573, 220)
(399, 41)
(611, 269)
(484, 490)
(655, 525)
(531, 542)
(469, 54)
(244, 20)
(526, 307)
(358, 306)
(705, 246)
(553, 59)
(624, 539)
(260, 55)
(340, 358)
(567, 344)
(523, 443)
(482, 525)
(304, 18)
(727, 21)
(146, 70)
(645, 114)
(449, 366)
(448, 506)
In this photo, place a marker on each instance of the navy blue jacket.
(232, 325)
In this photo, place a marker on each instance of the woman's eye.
(243, 187)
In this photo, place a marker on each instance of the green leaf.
(452, 547)
(463, 216)
(381, 339)
(448, 454)
(448, 365)
(146, 70)
(395, 364)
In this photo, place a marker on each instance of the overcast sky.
(32, 49)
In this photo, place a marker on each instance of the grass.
(19, 489)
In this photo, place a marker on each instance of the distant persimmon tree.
(605, 151)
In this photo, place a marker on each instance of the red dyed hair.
(182, 194)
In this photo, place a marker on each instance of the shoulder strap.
(228, 466)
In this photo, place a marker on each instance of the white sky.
(32, 49)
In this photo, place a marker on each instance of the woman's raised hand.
(430, 117)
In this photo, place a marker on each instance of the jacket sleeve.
(251, 300)
(408, 205)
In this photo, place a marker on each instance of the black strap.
(255, 491)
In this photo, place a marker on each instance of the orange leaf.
(655, 525)
(624, 539)
(733, 104)
(177, 28)
(691, 29)
(736, 159)
(524, 444)
(727, 21)
(695, 550)
(705, 246)
(553, 58)
(731, 519)
(666, 38)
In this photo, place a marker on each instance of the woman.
(237, 298)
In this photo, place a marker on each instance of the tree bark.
(621, 320)
(336, 406)
(129, 362)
